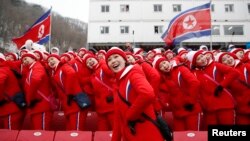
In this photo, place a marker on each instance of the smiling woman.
(133, 88)
(78, 9)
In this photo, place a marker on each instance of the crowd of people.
(201, 88)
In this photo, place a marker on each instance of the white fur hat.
(204, 47)
(28, 44)
(218, 56)
(192, 55)
(29, 54)
(55, 48)
(14, 55)
(157, 51)
(2, 57)
(137, 50)
(157, 60)
(181, 49)
(235, 50)
(231, 46)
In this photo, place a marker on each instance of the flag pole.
(50, 28)
(211, 40)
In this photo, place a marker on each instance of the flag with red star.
(39, 32)
(194, 22)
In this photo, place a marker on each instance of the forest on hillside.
(16, 16)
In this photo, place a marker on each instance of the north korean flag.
(39, 32)
(195, 22)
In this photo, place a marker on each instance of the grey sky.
(78, 9)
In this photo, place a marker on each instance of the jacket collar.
(123, 72)
(237, 62)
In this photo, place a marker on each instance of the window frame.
(212, 8)
(159, 29)
(124, 8)
(124, 29)
(104, 30)
(229, 8)
(105, 9)
(233, 30)
(248, 8)
(176, 7)
(157, 7)
(213, 29)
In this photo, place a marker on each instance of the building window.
(124, 29)
(157, 8)
(215, 30)
(124, 8)
(248, 6)
(233, 30)
(212, 7)
(104, 30)
(229, 8)
(105, 8)
(177, 8)
(158, 29)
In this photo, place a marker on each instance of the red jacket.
(66, 83)
(240, 89)
(153, 78)
(9, 87)
(209, 77)
(83, 74)
(187, 89)
(102, 76)
(78, 66)
(18, 67)
(134, 87)
(36, 83)
(164, 94)
(244, 70)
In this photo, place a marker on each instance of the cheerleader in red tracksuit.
(67, 87)
(184, 91)
(246, 58)
(240, 87)
(133, 87)
(217, 103)
(102, 81)
(80, 68)
(153, 77)
(11, 113)
(37, 90)
(86, 82)
(19, 70)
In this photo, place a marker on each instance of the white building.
(142, 22)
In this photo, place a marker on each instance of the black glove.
(70, 98)
(188, 107)
(17, 74)
(2, 102)
(19, 100)
(22, 105)
(83, 100)
(218, 90)
(109, 99)
(33, 103)
(131, 126)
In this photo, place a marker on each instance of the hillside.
(16, 16)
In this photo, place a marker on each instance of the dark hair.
(127, 64)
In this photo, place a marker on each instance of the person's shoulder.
(136, 69)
